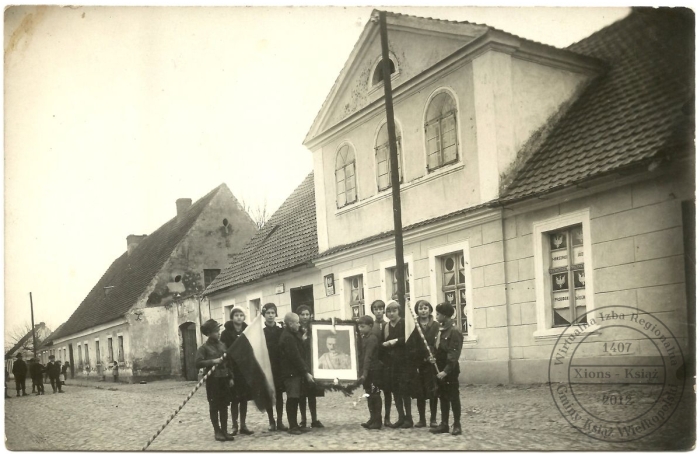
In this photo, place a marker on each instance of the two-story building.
(537, 184)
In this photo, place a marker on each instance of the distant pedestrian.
(64, 372)
(219, 382)
(115, 372)
(19, 370)
(36, 371)
(54, 372)
(7, 378)
(233, 329)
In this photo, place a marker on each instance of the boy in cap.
(272, 339)
(219, 382)
(370, 371)
(294, 369)
(312, 391)
(233, 329)
(19, 370)
(448, 347)
(420, 357)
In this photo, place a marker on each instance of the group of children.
(388, 364)
(414, 369)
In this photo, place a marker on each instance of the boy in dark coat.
(370, 371)
(54, 371)
(312, 391)
(272, 339)
(233, 329)
(19, 370)
(293, 368)
(448, 347)
(36, 371)
(219, 382)
(419, 354)
(397, 369)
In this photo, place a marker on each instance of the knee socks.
(445, 409)
(407, 405)
(312, 408)
(302, 408)
(214, 418)
(244, 411)
(420, 403)
(280, 406)
(292, 407)
(387, 403)
(223, 417)
(398, 400)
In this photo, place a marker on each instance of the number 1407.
(617, 347)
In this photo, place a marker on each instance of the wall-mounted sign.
(279, 288)
(329, 283)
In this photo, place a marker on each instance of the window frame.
(385, 145)
(435, 256)
(384, 268)
(98, 359)
(373, 87)
(120, 349)
(351, 148)
(426, 123)
(110, 350)
(344, 289)
(543, 300)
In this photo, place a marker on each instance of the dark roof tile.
(631, 114)
(287, 240)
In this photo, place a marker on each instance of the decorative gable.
(415, 44)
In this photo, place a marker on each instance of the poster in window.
(560, 282)
(329, 283)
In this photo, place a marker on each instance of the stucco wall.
(209, 245)
(424, 195)
(157, 340)
(637, 258)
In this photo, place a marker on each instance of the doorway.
(302, 295)
(189, 350)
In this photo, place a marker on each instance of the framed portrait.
(329, 284)
(334, 354)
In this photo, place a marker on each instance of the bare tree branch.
(258, 213)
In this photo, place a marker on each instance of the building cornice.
(413, 235)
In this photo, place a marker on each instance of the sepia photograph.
(334, 352)
(349, 228)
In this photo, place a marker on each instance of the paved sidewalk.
(106, 416)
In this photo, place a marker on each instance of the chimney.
(182, 206)
(132, 241)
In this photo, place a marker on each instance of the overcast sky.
(111, 114)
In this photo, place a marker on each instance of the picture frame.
(338, 359)
(329, 284)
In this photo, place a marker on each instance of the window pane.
(577, 236)
(581, 314)
(579, 279)
(433, 161)
(562, 317)
(341, 199)
(557, 241)
(450, 154)
(351, 195)
(350, 171)
(560, 282)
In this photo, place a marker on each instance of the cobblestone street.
(108, 416)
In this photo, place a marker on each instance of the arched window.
(382, 154)
(346, 192)
(378, 75)
(441, 131)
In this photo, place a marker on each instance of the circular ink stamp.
(618, 375)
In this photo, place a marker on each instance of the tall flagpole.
(394, 163)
